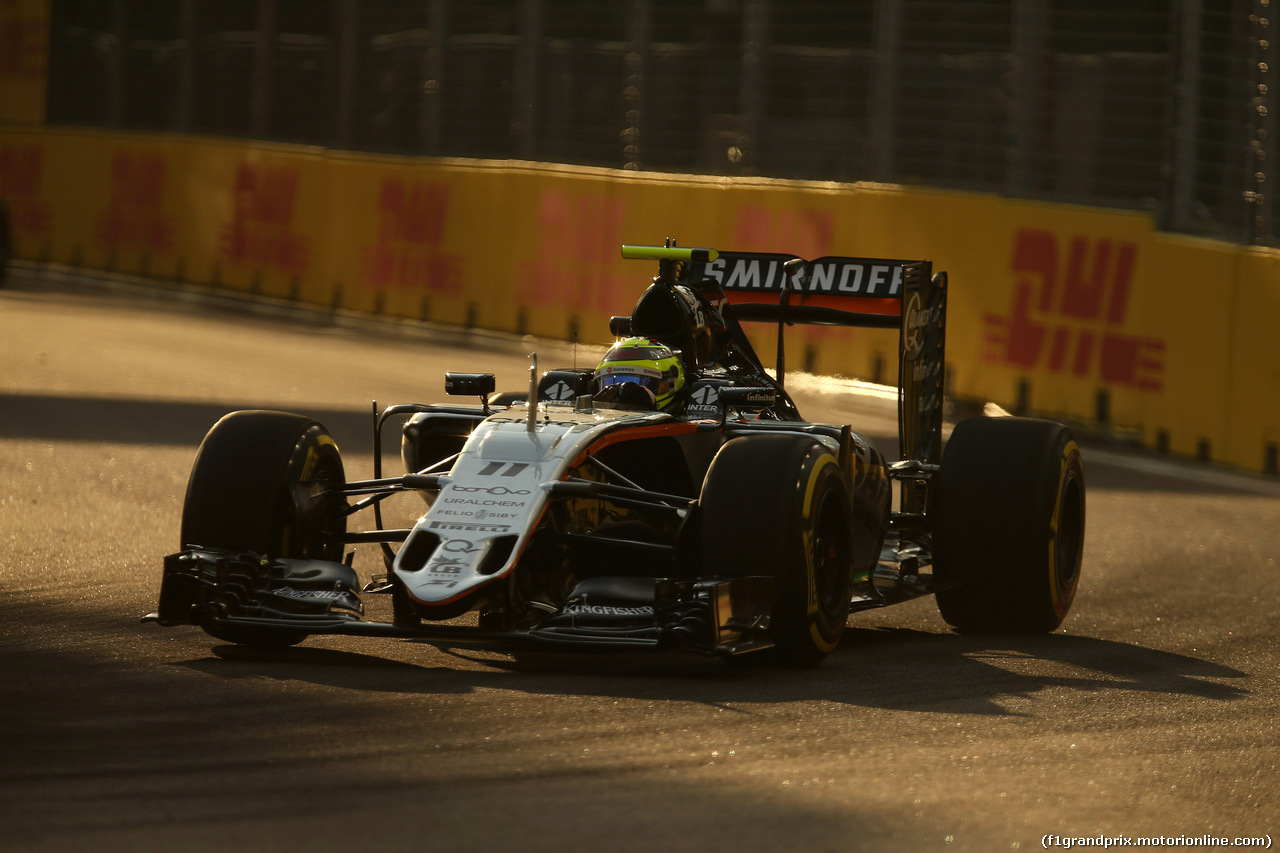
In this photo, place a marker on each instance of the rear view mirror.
(469, 384)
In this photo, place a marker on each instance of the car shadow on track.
(153, 422)
(886, 668)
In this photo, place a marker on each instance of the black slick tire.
(266, 483)
(779, 505)
(1008, 520)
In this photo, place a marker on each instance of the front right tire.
(779, 505)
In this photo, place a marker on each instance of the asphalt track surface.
(1152, 713)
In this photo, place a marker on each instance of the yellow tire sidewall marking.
(313, 455)
(806, 515)
(1059, 605)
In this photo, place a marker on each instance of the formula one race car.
(673, 497)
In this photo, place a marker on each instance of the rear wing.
(829, 290)
(841, 291)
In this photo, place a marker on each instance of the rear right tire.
(1008, 525)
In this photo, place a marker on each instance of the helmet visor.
(653, 383)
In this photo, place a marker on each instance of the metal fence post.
(433, 77)
(1186, 114)
(347, 17)
(635, 91)
(884, 88)
(185, 108)
(528, 73)
(755, 76)
(263, 68)
(115, 66)
(1029, 36)
(1262, 147)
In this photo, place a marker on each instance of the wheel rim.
(1068, 541)
(311, 511)
(830, 556)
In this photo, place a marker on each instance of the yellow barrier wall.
(1252, 409)
(1075, 312)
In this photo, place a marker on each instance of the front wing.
(725, 616)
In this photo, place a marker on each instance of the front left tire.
(268, 483)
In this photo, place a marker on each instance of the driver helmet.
(644, 362)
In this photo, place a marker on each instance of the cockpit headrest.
(677, 316)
